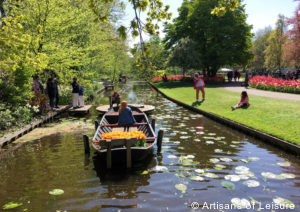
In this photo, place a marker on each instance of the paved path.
(256, 92)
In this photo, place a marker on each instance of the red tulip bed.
(275, 84)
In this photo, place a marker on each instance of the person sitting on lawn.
(244, 102)
(125, 115)
(115, 98)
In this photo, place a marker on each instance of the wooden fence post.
(128, 153)
(159, 140)
(86, 144)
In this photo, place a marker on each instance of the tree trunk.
(2, 11)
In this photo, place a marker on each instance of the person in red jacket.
(244, 102)
(199, 86)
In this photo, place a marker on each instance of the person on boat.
(125, 115)
(115, 98)
(244, 102)
(199, 85)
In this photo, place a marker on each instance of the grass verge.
(280, 118)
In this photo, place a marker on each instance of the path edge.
(274, 141)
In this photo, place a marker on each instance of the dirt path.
(271, 94)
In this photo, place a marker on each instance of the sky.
(261, 13)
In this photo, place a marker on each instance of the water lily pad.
(11, 205)
(176, 142)
(219, 167)
(184, 137)
(241, 170)
(233, 146)
(190, 156)
(199, 127)
(226, 159)
(232, 177)
(197, 140)
(179, 175)
(235, 142)
(284, 202)
(286, 163)
(160, 168)
(240, 203)
(181, 147)
(211, 134)
(172, 156)
(288, 175)
(166, 140)
(218, 150)
(211, 175)
(253, 158)
(227, 184)
(200, 171)
(199, 133)
(181, 187)
(183, 133)
(197, 178)
(56, 192)
(251, 183)
(209, 142)
(269, 175)
(245, 161)
(214, 160)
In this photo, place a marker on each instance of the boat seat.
(117, 125)
(121, 129)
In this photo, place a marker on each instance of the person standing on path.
(75, 93)
(37, 86)
(81, 97)
(246, 79)
(51, 92)
(199, 85)
(55, 87)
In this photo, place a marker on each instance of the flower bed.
(275, 84)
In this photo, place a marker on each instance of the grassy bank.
(280, 118)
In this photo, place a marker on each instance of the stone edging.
(280, 143)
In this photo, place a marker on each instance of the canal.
(202, 162)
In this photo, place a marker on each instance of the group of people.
(51, 89)
(199, 86)
(233, 75)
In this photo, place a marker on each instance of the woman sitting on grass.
(125, 115)
(244, 102)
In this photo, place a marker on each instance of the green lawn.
(280, 118)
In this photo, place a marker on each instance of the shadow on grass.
(197, 103)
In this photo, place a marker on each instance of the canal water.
(202, 165)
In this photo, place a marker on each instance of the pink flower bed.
(275, 84)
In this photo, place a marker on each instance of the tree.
(185, 55)
(259, 46)
(291, 48)
(273, 53)
(220, 40)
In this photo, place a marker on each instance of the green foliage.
(185, 55)
(220, 40)
(273, 52)
(259, 46)
(224, 5)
